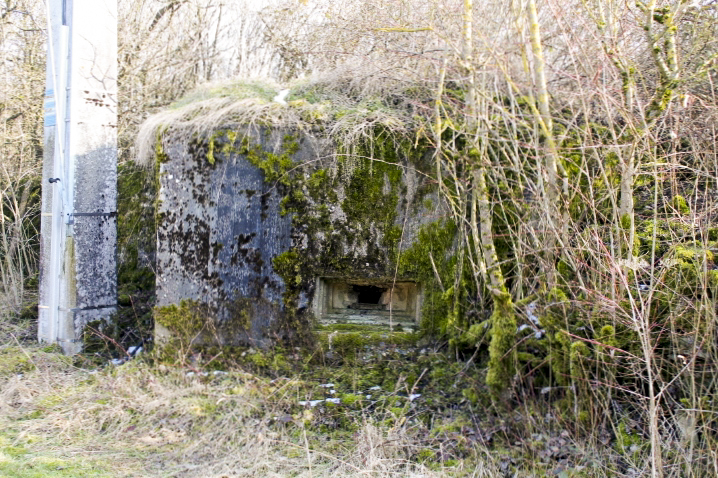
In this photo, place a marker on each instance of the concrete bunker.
(272, 229)
(367, 302)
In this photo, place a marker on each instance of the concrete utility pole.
(78, 279)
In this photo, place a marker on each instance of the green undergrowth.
(157, 419)
(16, 359)
(147, 415)
(398, 380)
(19, 461)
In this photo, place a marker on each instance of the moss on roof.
(319, 108)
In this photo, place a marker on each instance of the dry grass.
(142, 420)
(139, 420)
(313, 107)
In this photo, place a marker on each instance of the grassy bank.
(140, 419)
(400, 410)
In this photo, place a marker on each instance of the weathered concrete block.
(268, 230)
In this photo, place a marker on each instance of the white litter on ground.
(311, 403)
(281, 97)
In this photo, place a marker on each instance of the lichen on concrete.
(261, 213)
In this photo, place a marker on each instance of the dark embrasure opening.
(338, 300)
(368, 294)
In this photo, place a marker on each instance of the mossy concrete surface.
(249, 218)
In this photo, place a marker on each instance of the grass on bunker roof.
(315, 106)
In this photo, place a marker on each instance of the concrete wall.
(218, 230)
(249, 247)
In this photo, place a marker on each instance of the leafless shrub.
(22, 57)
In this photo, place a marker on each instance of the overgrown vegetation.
(571, 279)
(140, 420)
(579, 252)
(22, 55)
